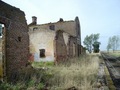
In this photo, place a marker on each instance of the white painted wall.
(42, 39)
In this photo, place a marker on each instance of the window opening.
(52, 27)
(42, 53)
(19, 39)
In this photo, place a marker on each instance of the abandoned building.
(55, 41)
(15, 40)
(46, 42)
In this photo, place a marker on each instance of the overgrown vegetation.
(79, 73)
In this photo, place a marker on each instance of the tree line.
(92, 44)
(113, 43)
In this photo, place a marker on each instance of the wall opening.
(52, 27)
(42, 53)
(2, 62)
(73, 49)
(19, 39)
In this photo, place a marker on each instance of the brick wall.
(63, 51)
(72, 45)
(60, 47)
(16, 44)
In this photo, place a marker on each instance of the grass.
(115, 53)
(80, 73)
(43, 64)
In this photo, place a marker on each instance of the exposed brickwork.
(72, 47)
(16, 51)
(60, 47)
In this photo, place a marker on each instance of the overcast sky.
(96, 16)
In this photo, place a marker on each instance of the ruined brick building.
(15, 40)
(48, 42)
(55, 41)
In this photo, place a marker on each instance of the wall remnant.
(16, 39)
(60, 47)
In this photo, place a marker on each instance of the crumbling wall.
(66, 46)
(67, 26)
(72, 45)
(60, 47)
(16, 44)
(67, 41)
(78, 34)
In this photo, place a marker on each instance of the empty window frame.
(52, 27)
(42, 53)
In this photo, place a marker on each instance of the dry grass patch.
(79, 72)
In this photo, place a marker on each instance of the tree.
(90, 41)
(96, 37)
(109, 46)
(113, 43)
(96, 46)
(117, 42)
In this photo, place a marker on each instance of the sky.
(96, 16)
